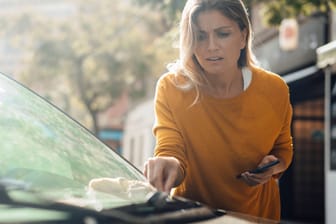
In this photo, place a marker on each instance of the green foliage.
(276, 10)
(171, 9)
(86, 61)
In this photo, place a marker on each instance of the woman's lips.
(214, 58)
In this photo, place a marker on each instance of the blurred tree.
(89, 59)
(171, 9)
(276, 10)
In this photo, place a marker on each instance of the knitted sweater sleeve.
(283, 146)
(169, 140)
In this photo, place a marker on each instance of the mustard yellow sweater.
(216, 139)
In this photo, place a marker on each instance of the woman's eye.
(201, 37)
(223, 34)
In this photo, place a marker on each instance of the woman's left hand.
(253, 179)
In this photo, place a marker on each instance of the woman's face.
(219, 42)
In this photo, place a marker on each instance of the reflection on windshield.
(108, 192)
(50, 152)
(128, 189)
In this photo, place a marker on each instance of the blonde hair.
(187, 65)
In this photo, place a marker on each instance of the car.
(54, 170)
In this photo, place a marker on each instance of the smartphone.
(262, 168)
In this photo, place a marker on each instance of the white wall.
(330, 175)
(138, 139)
(330, 197)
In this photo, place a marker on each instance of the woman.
(219, 115)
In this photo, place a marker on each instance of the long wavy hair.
(187, 65)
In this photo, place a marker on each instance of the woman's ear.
(243, 38)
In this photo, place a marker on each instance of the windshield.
(45, 151)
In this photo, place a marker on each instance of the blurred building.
(291, 52)
(111, 123)
(138, 139)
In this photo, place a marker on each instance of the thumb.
(169, 183)
(268, 159)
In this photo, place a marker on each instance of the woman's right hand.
(163, 173)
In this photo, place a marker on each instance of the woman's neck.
(225, 85)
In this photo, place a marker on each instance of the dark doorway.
(302, 185)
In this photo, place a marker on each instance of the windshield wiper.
(162, 208)
(74, 214)
(7, 184)
(3, 194)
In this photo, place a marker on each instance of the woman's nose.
(212, 43)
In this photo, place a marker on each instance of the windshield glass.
(45, 151)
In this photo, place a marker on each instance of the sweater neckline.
(248, 81)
